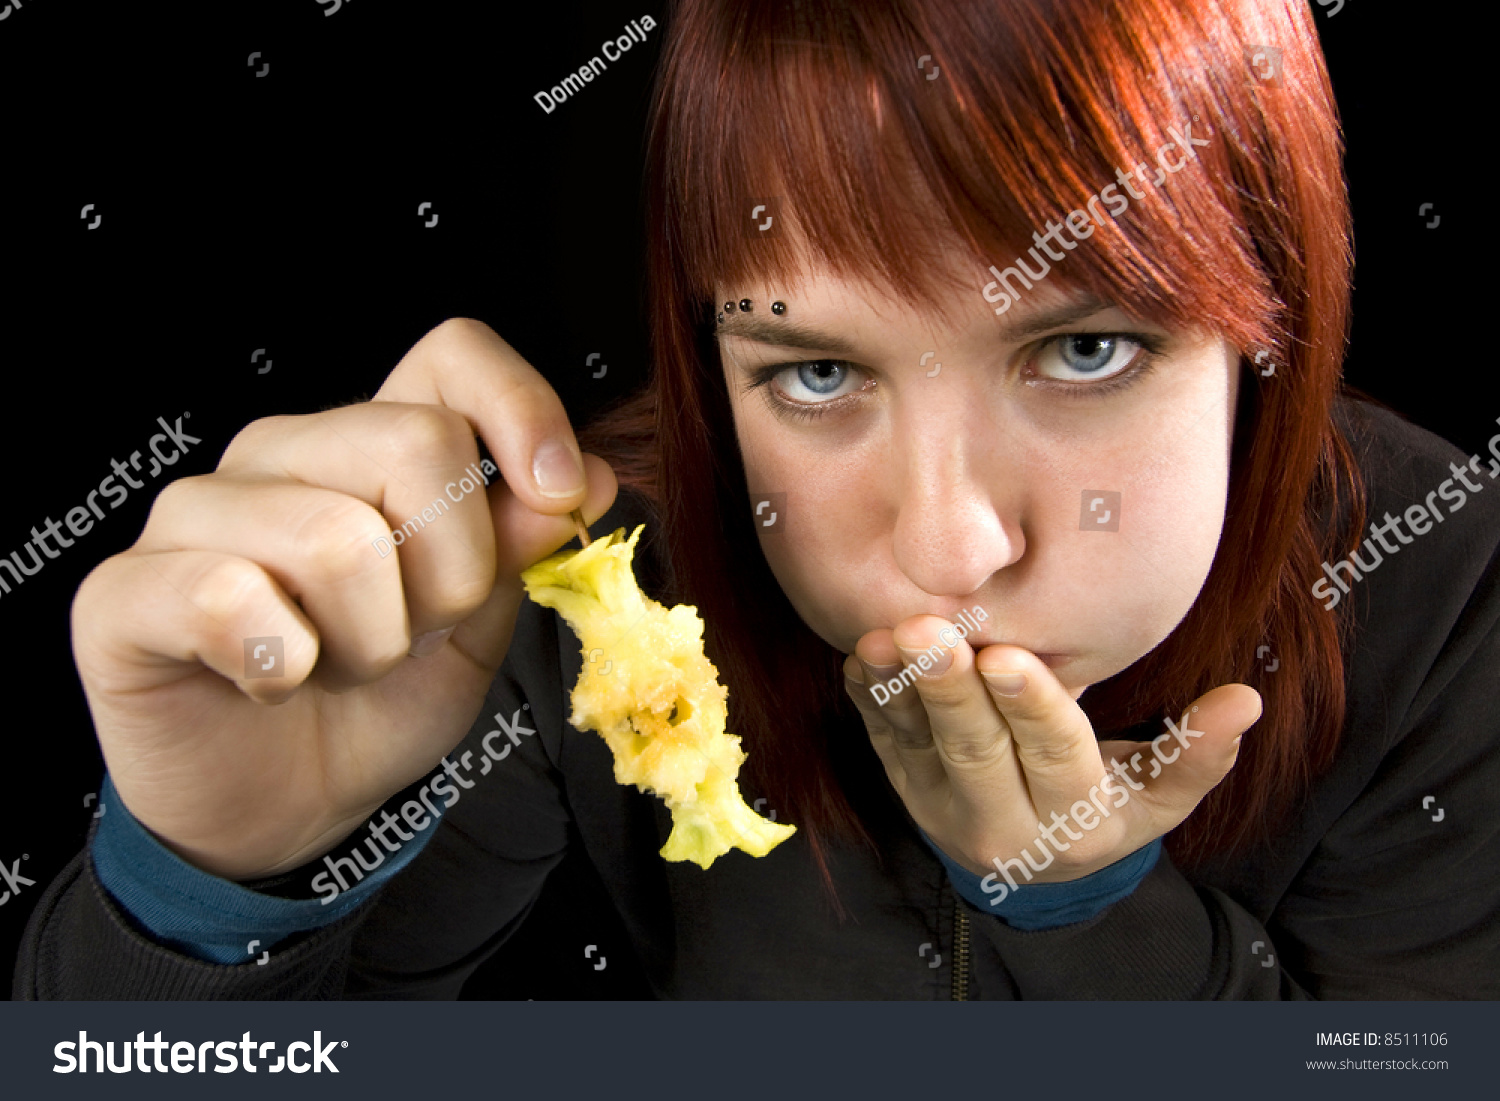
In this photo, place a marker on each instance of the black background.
(281, 213)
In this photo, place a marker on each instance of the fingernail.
(936, 666)
(855, 673)
(430, 643)
(1007, 684)
(881, 672)
(556, 471)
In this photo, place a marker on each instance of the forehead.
(940, 266)
(833, 301)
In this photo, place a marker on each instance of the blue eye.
(1087, 356)
(822, 376)
(814, 382)
(800, 391)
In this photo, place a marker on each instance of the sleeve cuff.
(1035, 906)
(213, 919)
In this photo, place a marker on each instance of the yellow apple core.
(648, 689)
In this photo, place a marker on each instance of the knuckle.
(454, 340)
(461, 591)
(968, 750)
(458, 329)
(229, 591)
(910, 739)
(93, 604)
(335, 540)
(431, 430)
(1063, 748)
(176, 498)
(381, 656)
(251, 439)
(1050, 756)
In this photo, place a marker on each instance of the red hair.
(820, 103)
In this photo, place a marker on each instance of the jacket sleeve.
(1167, 939)
(419, 936)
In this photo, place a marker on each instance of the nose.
(955, 523)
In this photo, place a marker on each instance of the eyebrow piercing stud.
(746, 306)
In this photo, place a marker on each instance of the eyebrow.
(1080, 308)
(784, 334)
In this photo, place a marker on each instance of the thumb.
(523, 536)
(1191, 757)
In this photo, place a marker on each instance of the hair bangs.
(939, 142)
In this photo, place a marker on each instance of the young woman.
(996, 431)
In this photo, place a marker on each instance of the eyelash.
(1151, 345)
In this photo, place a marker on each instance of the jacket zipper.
(960, 953)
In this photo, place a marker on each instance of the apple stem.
(583, 531)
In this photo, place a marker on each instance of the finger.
(891, 689)
(316, 544)
(1051, 735)
(188, 607)
(527, 536)
(970, 735)
(417, 466)
(856, 681)
(1195, 753)
(464, 365)
(905, 732)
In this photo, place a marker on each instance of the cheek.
(830, 538)
(792, 544)
(1143, 578)
(826, 556)
(1165, 494)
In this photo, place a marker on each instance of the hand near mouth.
(989, 752)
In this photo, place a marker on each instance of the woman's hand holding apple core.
(989, 752)
(385, 652)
